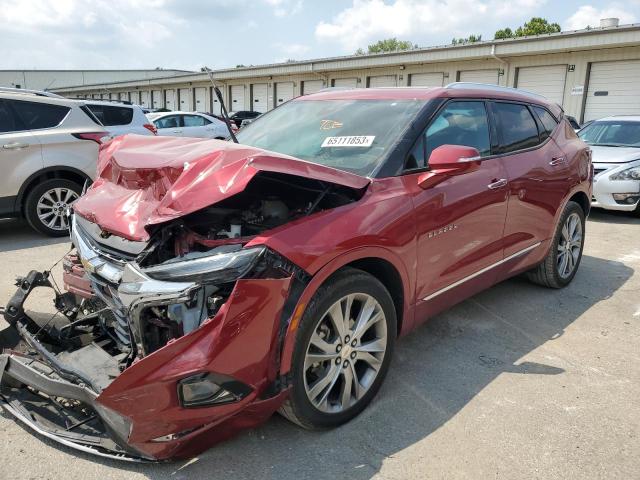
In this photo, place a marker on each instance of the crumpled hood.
(614, 154)
(144, 180)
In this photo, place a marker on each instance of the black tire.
(547, 273)
(298, 408)
(31, 204)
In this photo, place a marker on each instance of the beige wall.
(572, 104)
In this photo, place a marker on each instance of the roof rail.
(496, 88)
(39, 93)
(111, 100)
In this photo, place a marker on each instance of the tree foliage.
(535, 26)
(465, 41)
(388, 45)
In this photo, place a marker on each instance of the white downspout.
(503, 62)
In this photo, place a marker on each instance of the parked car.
(49, 150)
(188, 124)
(218, 282)
(121, 118)
(240, 116)
(615, 143)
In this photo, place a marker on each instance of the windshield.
(350, 135)
(612, 133)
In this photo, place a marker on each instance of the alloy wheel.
(52, 207)
(569, 245)
(345, 353)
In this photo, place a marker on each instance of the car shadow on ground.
(17, 235)
(611, 216)
(436, 372)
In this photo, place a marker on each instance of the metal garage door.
(124, 96)
(345, 82)
(216, 109)
(284, 92)
(134, 97)
(237, 98)
(547, 81)
(200, 94)
(170, 99)
(144, 99)
(382, 81)
(185, 99)
(480, 76)
(311, 86)
(259, 97)
(613, 89)
(426, 79)
(156, 98)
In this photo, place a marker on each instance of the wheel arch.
(583, 200)
(49, 173)
(379, 262)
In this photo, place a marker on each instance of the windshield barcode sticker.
(350, 141)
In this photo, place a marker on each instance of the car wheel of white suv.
(46, 205)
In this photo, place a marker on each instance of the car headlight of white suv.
(632, 173)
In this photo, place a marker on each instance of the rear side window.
(8, 121)
(195, 121)
(460, 123)
(111, 115)
(39, 115)
(548, 121)
(518, 129)
(172, 121)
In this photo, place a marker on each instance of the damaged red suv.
(213, 284)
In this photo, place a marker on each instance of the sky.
(189, 34)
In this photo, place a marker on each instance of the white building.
(591, 73)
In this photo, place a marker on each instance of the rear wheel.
(343, 348)
(46, 205)
(562, 262)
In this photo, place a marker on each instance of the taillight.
(93, 136)
(151, 127)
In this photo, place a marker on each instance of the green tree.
(388, 45)
(465, 41)
(535, 26)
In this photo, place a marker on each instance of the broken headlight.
(215, 268)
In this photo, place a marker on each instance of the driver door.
(460, 221)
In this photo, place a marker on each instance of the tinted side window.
(39, 115)
(8, 121)
(460, 123)
(517, 127)
(112, 115)
(548, 121)
(194, 121)
(172, 121)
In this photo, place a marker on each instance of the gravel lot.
(516, 382)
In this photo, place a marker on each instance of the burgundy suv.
(214, 283)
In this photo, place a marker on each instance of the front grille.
(108, 294)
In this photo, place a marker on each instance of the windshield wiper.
(223, 107)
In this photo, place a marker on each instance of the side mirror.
(449, 160)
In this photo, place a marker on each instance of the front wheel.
(46, 205)
(562, 262)
(343, 348)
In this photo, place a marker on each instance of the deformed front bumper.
(139, 416)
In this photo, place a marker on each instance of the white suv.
(121, 118)
(48, 150)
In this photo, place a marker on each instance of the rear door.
(20, 156)
(460, 221)
(170, 125)
(537, 171)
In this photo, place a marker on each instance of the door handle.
(555, 161)
(498, 184)
(15, 145)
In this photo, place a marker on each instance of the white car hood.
(615, 154)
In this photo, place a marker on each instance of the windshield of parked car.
(350, 135)
(612, 133)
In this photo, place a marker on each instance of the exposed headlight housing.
(632, 173)
(215, 268)
(207, 389)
